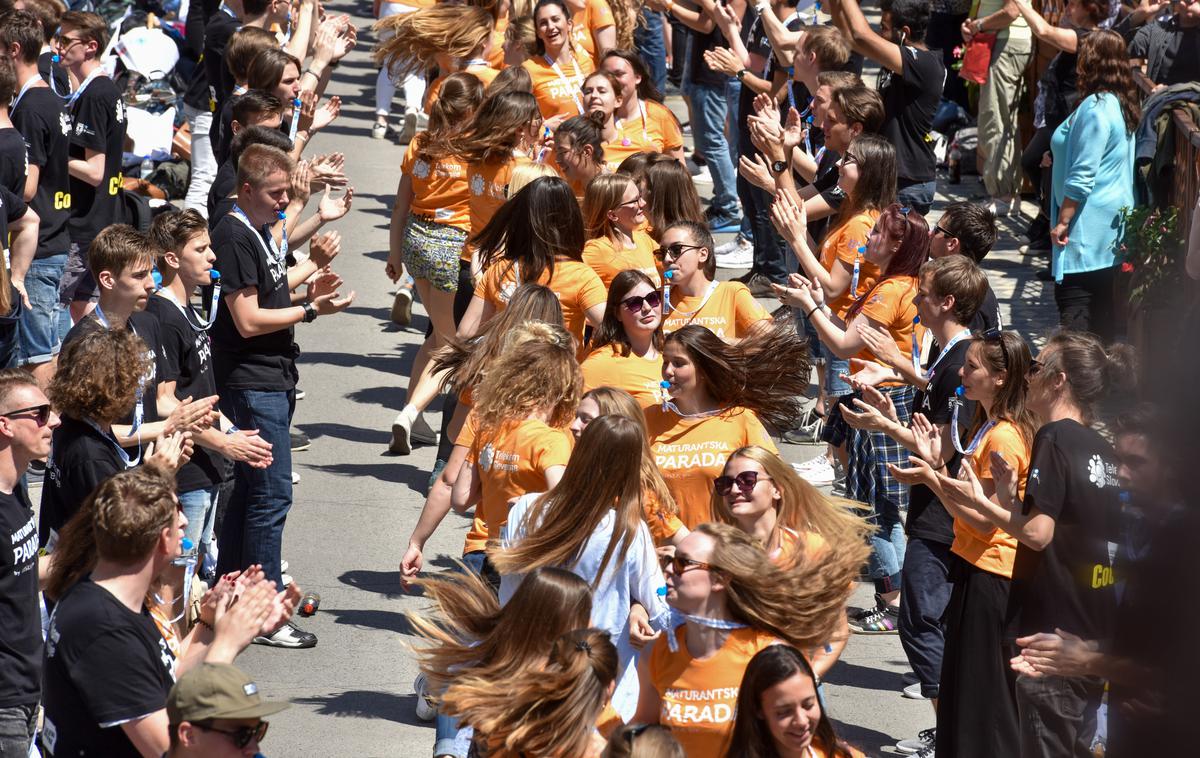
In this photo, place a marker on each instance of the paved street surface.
(356, 504)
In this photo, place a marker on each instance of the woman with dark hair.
(560, 65)
(719, 397)
(603, 96)
(670, 194)
(1093, 154)
(537, 236)
(641, 112)
(579, 151)
(626, 350)
(614, 214)
(779, 713)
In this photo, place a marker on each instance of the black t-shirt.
(40, 118)
(1058, 86)
(927, 517)
(1171, 51)
(187, 361)
(264, 362)
(222, 131)
(909, 102)
(81, 458)
(197, 95)
(1069, 585)
(700, 72)
(20, 619)
(220, 209)
(12, 207)
(105, 665)
(145, 326)
(222, 187)
(14, 161)
(50, 72)
(988, 315)
(97, 123)
(217, 32)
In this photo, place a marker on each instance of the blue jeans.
(918, 196)
(200, 507)
(252, 531)
(47, 320)
(651, 45)
(925, 589)
(709, 112)
(887, 548)
(18, 723)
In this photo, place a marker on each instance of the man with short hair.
(1169, 46)
(215, 711)
(26, 426)
(969, 229)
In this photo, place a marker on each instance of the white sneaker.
(704, 177)
(913, 692)
(401, 443)
(426, 709)
(379, 131)
(285, 579)
(737, 253)
(408, 128)
(818, 471)
(295, 478)
(422, 432)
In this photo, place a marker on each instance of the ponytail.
(1091, 371)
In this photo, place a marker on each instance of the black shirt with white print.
(910, 100)
(265, 362)
(20, 617)
(14, 161)
(40, 118)
(146, 327)
(81, 458)
(1069, 585)
(97, 123)
(927, 517)
(105, 666)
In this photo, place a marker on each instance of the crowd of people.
(644, 574)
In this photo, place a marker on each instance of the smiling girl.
(614, 213)
(559, 67)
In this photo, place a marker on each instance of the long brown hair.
(418, 37)
(768, 597)
(912, 231)
(1006, 352)
(876, 185)
(559, 523)
(470, 632)
(1103, 66)
(457, 100)
(617, 402)
(670, 195)
(497, 127)
(537, 375)
(611, 331)
(646, 90)
(602, 195)
(533, 228)
(766, 372)
(266, 69)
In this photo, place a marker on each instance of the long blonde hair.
(617, 402)
(540, 374)
(803, 603)
(603, 194)
(418, 37)
(559, 523)
(802, 507)
(543, 710)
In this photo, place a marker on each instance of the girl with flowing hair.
(511, 79)
(670, 195)
(627, 349)
(779, 712)
(559, 65)
(385, 82)
(660, 511)
(719, 397)
(613, 217)
(462, 366)
(451, 38)
(520, 44)
(977, 695)
(579, 151)
(603, 96)
(593, 525)
(537, 236)
(469, 634)
(430, 223)
(733, 601)
(641, 111)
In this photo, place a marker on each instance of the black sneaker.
(290, 636)
(926, 738)
(300, 441)
(858, 614)
(883, 621)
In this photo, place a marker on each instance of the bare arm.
(1055, 36)
(849, 18)
(149, 734)
(88, 169)
(31, 182)
(466, 489)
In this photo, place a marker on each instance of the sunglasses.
(674, 250)
(42, 411)
(651, 300)
(680, 564)
(745, 481)
(939, 229)
(240, 737)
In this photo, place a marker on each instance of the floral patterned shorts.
(431, 252)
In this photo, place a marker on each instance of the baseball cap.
(217, 691)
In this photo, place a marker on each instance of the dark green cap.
(217, 691)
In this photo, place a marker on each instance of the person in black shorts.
(97, 119)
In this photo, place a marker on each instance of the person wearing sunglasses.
(216, 711)
(627, 349)
(614, 214)
(730, 601)
(689, 263)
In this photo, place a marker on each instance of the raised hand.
(324, 248)
(170, 451)
(332, 208)
(755, 170)
(879, 341)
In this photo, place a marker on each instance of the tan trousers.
(999, 102)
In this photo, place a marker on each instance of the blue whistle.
(280, 215)
(157, 276)
(916, 320)
(214, 275)
(664, 384)
(187, 544)
(668, 274)
(662, 591)
(56, 58)
(862, 249)
(960, 392)
(296, 102)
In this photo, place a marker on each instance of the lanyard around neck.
(276, 252)
(33, 80)
(112, 440)
(567, 82)
(954, 435)
(193, 320)
(712, 287)
(625, 141)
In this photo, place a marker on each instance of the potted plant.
(1152, 284)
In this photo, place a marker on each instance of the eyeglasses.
(679, 563)
(939, 229)
(650, 299)
(634, 202)
(63, 42)
(42, 411)
(240, 737)
(745, 481)
(674, 250)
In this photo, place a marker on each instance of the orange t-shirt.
(510, 462)
(842, 244)
(640, 377)
(691, 452)
(483, 72)
(559, 94)
(439, 188)
(699, 697)
(577, 286)
(890, 304)
(996, 550)
(662, 525)
(495, 57)
(653, 130)
(729, 312)
(791, 542)
(607, 261)
(488, 185)
(595, 16)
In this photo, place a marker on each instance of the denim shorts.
(77, 284)
(835, 386)
(46, 321)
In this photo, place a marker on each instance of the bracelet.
(939, 468)
(206, 625)
(310, 312)
(810, 313)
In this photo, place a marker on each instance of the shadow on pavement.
(347, 432)
(386, 621)
(846, 674)
(368, 704)
(388, 363)
(869, 741)
(399, 473)
(386, 583)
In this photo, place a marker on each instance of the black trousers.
(1031, 164)
(925, 589)
(462, 299)
(1086, 303)
(1057, 715)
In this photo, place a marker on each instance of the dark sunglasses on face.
(674, 250)
(745, 481)
(650, 299)
(42, 413)
(240, 737)
(681, 563)
(939, 229)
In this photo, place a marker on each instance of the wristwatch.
(310, 312)
(742, 74)
(778, 167)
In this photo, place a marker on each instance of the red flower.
(1126, 267)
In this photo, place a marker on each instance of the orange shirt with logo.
(657, 132)
(699, 697)
(662, 524)
(596, 15)
(729, 312)
(640, 377)
(993, 551)
(842, 244)
(559, 94)
(439, 188)
(511, 461)
(890, 304)
(691, 452)
(607, 260)
(577, 286)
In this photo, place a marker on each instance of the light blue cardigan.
(1093, 165)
